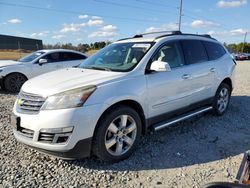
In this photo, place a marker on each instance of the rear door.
(200, 70)
(215, 53)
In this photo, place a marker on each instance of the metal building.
(16, 43)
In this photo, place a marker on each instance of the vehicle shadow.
(201, 140)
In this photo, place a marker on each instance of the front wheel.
(117, 134)
(14, 82)
(2, 85)
(222, 99)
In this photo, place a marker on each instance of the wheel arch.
(2, 81)
(130, 103)
(229, 82)
(14, 73)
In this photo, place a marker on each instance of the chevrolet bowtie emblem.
(20, 102)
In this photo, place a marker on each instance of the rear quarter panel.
(225, 67)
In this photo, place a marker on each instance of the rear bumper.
(81, 150)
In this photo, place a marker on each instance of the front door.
(53, 63)
(168, 91)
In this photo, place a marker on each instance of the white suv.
(104, 106)
(14, 73)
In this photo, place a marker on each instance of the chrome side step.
(180, 118)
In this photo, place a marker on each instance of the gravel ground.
(190, 154)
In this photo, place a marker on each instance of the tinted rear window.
(70, 56)
(194, 51)
(214, 50)
(75, 56)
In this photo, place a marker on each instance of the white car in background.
(14, 73)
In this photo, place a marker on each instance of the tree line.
(238, 48)
(82, 47)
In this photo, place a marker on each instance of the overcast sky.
(85, 21)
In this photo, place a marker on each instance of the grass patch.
(12, 54)
(17, 54)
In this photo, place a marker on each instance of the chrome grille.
(30, 103)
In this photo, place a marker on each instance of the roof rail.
(152, 33)
(206, 35)
(158, 32)
(188, 34)
(168, 33)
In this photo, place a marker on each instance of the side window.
(194, 51)
(53, 57)
(170, 53)
(75, 56)
(69, 56)
(214, 50)
(65, 56)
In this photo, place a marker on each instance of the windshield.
(121, 57)
(31, 57)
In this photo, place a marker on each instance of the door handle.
(186, 76)
(212, 70)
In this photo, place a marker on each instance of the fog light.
(57, 130)
(62, 139)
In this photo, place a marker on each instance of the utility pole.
(242, 49)
(180, 15)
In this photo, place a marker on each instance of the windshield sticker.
(141, 46)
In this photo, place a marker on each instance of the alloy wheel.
(223, 100)
(120, 135)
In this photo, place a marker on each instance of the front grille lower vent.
(46, 137)
(26, 132)
(53, 138)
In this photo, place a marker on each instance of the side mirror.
(160, 66)
(42, 61)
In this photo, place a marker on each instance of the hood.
(66, 79)
(4, 63)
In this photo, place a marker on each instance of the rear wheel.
(222, 99)
(117, 134)
(14, 82)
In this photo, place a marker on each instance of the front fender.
(130, 89)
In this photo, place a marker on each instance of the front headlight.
(68, 99)
(1, 70)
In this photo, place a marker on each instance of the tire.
(221, 99)
(115, 141)
(14, 82)
(2, 85)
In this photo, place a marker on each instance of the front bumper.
(78, 142)
(81, 150)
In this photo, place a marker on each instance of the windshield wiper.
(98, 68)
